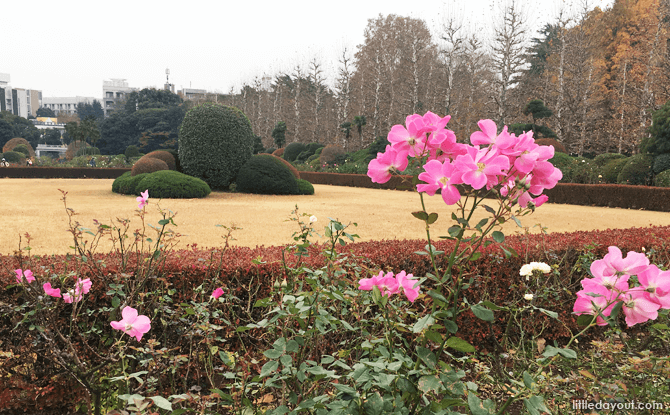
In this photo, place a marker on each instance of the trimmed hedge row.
(36, 172)
(495, 278)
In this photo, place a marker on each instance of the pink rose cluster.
(515, 165)
(389, 284)
(75, 295)
(610, 285)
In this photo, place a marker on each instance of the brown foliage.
(551, 142)
(330, 152)
(9, 145)
(73, 147)
(165, 156)
(278, 152)
(148, 165)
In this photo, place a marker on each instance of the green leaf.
(450, 326)
(498, 236)
(431, 218)
(528, 380)
(535, 405)
(460, 345)
(489, 209)
(161, 402)
(427, 356)
(455, 231)
(437, 296)
(163, 222)
(430, 383)
(273, 354)
(423, 323)
(475, 256)
(569, 353)
(482, 312)
(518, 223)
(491, 305)
(477, 407)
(481, 223)
(421, 215)
(550, 351)
(551, 314)
(269, 367)
(584, 320)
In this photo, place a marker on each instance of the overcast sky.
(67, 48)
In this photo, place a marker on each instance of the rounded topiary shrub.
(563, 162)
(601, 159)
(120, 180)
(292, 151)
(610, 171)
(126, 183)
(305, 187)
(170, 184)
(278, 152)
(662, 179)
(132, 151)
(269, 150)
(288, 165)
(148, 165)
(558, 147)
(165, 156)
(9, 145)
(661, 163)
(637, 170)
(87, 151)
(13, 156)
(22, 149)
(264, 174)
(330, 153)
(214, 143)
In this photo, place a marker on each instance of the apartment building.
(19, 101)
(65, 105)
(113, 91)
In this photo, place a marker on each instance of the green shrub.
(377, 146)
(21, 148)
(148, 165)
(126, 184)
(263, 174)
(611, 170)
(661, 163)
(584, 171)
(215, 141)
(658, 139)
(637, 170)
(293, 150)
(313, 147)
(269, 150)
(87, 151)
(564, 163)
(601, 159)
(13, 156)
(305, 187)
(164, 155)
(662, 179)
(132, 151)
(170, 184)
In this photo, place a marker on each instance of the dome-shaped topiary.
(21, 148)
(148, 165)
(278, 152)
(330, 153)
(164, 155)
(9, 145)
(558, 147)
(292, 151)
(13, 156)
(305, 187)
(601, 159)
(264, 174)
(288, 165)
(132, 151)
(662, 179)
(170, 184)
(214, 143)
(611, 170)
(126, 183)
(661, 163)
(637, 170)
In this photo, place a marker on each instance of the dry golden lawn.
(35, 206)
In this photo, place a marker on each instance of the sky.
(68, 48)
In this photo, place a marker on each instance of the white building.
(19, 101)
(113, 91)
(65, 105)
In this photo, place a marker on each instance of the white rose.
(528, 297)
(312, 219)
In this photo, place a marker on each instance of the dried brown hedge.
(73, 147)
(148, 165)
(295, 171)
(551, 142)
(330, 152)
(278, 152)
